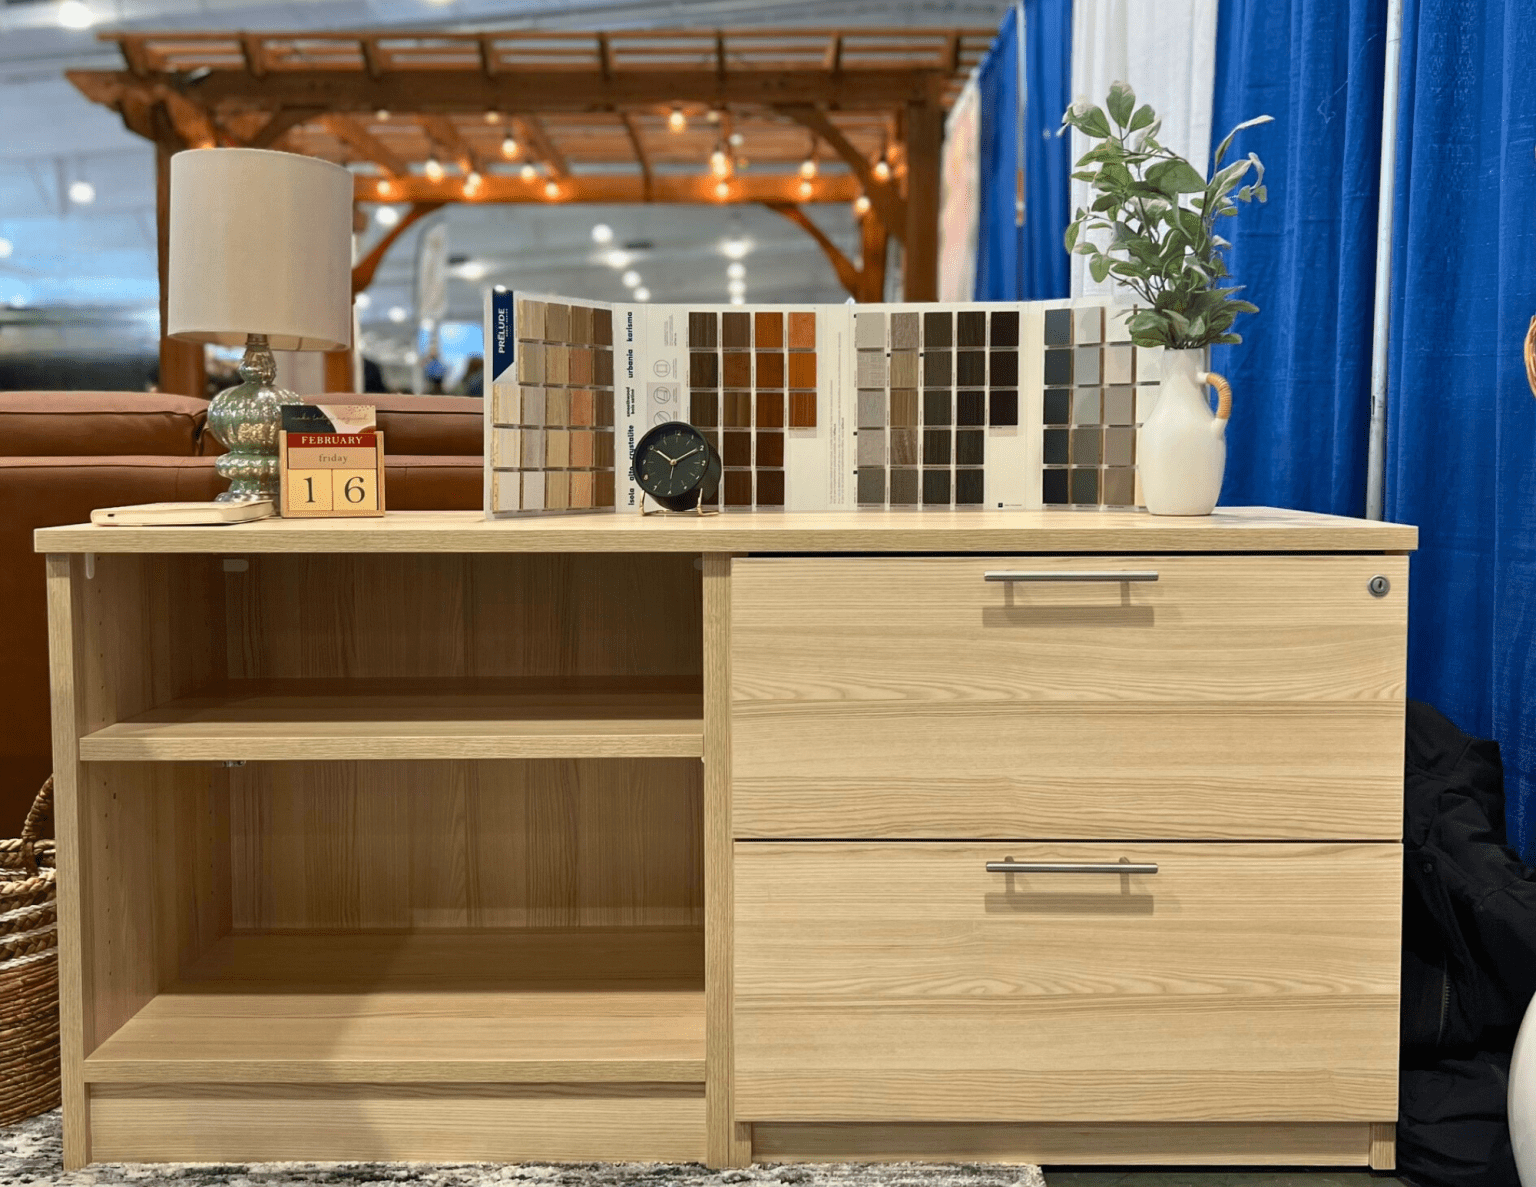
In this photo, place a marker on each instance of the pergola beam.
(501, 188)
(537, 138)
(883, 197)
(365, 144)
(440, 129)
(535, 92)
(642, 158)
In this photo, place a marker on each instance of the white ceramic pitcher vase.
(1181, 453)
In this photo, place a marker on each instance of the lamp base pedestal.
(246, 419)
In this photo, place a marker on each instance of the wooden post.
(875, 237)
(183, 370)
(924, 145)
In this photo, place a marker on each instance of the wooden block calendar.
(331, 460)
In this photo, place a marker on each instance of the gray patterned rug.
(31, 1155)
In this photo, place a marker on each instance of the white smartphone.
(141, 515)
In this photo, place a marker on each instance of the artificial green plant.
(1158, 218)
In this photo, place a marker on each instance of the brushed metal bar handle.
(1090, 575)
(1071, 867)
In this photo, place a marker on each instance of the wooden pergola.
(778, 117)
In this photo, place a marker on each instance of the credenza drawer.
(1231, 697)
(905, 982)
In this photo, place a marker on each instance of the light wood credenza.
(952, 835)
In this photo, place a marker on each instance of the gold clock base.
(698, 510)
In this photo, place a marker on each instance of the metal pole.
(1376, 461)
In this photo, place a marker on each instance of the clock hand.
(689, 454)
(674, 461)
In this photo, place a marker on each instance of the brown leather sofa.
(64, 454)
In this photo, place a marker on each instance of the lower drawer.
(903, 981)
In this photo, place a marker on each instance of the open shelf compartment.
(253, 720)
(566, 1006)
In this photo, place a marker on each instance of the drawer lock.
(1379, 586)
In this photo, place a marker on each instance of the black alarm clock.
(676, 466)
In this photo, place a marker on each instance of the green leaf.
(1071, 239)
(1085, 175)
(1143, 118)
(1176, 177)
(1261, 192)
(1228, 339)
(1090, 123)
(1242, 306)
(1223, 182)
(1221, 149)
(1105, 202)
(1098, 268)
(1245, 194)
(1121, 103)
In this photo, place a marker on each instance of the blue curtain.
(1461, 449)
(1025, 263)
(1302, 377)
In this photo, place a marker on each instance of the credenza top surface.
(1229, 529)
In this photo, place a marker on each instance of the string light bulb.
(722, 190)
(433, 169)
(861, 205)
(883, 169)
(808, 168)
(719, 163)
(528, 173)
(493, 117)
(551, 189)
(510, 147)
(806, 189)
(384, 188)
(677, 121)
(382, 115)
(472, 182)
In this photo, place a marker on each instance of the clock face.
(672, 462)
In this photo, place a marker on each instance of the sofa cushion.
(38, 492)
(432, 425)
(79, 424)
(427, 483)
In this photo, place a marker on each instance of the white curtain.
(1167, 52)
(960, 202)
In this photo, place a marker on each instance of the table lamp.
(260, 257)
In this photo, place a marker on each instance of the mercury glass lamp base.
(246, 419)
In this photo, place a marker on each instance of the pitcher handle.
(1223, 392)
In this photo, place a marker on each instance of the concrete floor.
(1237, 1177)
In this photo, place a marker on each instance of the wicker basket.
(29, 970)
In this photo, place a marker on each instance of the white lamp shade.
(261, 243)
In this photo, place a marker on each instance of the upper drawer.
(1235, 696)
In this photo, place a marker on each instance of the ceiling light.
(551, 189)
(737, 139)
(806, 189)
(528, 173)
(883, 169)
(642, 294)
(736, 270)
(472, 182)
(82, 193)
(738, 300)
(735, 248)
(382, 115)
(808, 168)
(617, 260)
(723, 190)
(677, 121)
(472, 270)
(433, 169)
(493, 117)
(737, 288)
(384, 188)
(75, 14)
(719, 163)
(5, 249)
(630, 279)
(510, 148)
(602, 233)
(396, 313)
(387, 216)
(362, 300)
(861, 205)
